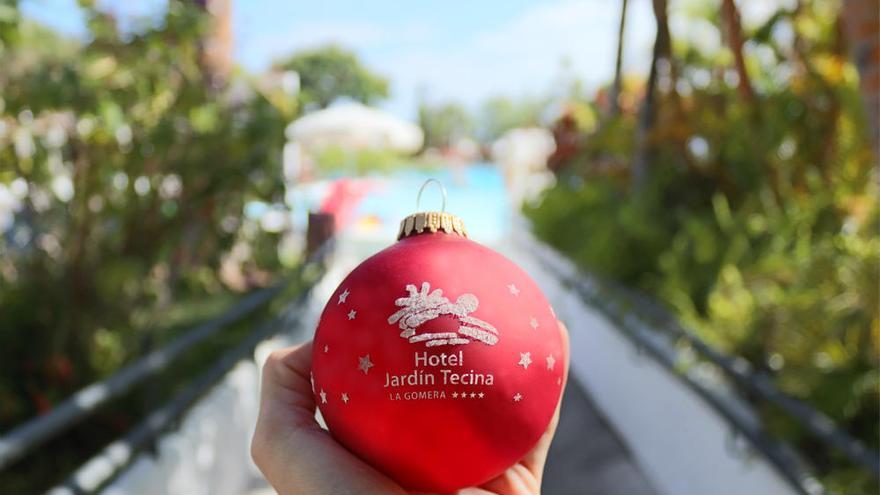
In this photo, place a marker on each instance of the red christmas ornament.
(437, 360)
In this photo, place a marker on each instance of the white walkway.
(628, 427)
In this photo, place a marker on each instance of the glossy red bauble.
(439, 362)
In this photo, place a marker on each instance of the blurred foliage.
(331, 72)
(500, 114)
(757, 222)
(123, 176)
(444, 124)
(450, 124)
(335, 160)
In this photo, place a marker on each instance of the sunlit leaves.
(129, 163)
(758, 223)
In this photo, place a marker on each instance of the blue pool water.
(475, 193)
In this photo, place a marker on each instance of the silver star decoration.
(517, 397)
(481, 395)
(513, 289)
(454, 395)
(352, 314)
(323, 397)
(364, 363)
(345, 397)
(533, 323)
(551, 361)
(464, 395)
(343, 296)
(326, 349)
(525, 359)
(473, 395)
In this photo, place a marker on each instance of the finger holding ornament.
(291, 449)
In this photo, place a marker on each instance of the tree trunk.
(862, 24)
(733, 30)
(217, 44)
(615, 89)
(648, 111)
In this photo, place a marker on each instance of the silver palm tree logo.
(425, 305)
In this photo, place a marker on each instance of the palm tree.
(218, 43)
(648, 111)
(615, 89)
(733, 29)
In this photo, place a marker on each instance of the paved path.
(586, 457)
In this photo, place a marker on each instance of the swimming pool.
(475, 192)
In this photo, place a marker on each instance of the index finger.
(287, 384)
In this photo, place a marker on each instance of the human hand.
(298, 457)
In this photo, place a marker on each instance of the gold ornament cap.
(431, 221)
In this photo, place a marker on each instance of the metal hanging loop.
(422, 189)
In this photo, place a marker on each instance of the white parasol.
(355, 126)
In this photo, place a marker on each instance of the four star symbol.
(518, 397)
(352, 314)
(345, 397)
(551, 361)
(364, 363)
(465, 395)
(343, 296)
(533, 323)
(513, 290)
(323, 396)
(525, 359)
